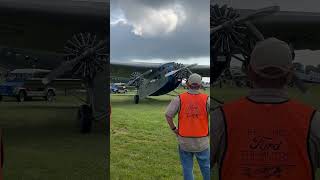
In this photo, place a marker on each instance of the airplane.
(63, 36)
(234, 32)
(156, 79)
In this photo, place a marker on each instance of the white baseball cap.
(273, 53)
(195, 79)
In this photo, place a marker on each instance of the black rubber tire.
(1, 98)
(136, 99)
(50, 96)
(85, 118)
(21, 96)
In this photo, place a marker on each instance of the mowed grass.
(232, 93)
(42, 142)
(142, 144)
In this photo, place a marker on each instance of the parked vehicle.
(25, 84)
(118, 89)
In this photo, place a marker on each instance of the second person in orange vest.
(193, 127)
(266, 135)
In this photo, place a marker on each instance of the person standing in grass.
(192, 131)
(266, 135)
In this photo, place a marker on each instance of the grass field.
(42, 142)
(142, 145)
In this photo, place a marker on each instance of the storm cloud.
(163, 30)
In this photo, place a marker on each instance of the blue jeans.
(203, 158)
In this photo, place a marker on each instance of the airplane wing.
(203, 70)
(301, 29)
(46, 26)
(123, 70)
(33, 33)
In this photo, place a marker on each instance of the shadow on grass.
(146, 101)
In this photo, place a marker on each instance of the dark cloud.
(189, 39)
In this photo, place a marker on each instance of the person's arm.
(217, 135)
(315, 139)
(171, 112)
(171, 124)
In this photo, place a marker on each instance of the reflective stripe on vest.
(193, 116)
(266, 141)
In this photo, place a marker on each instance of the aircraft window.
(11, 77)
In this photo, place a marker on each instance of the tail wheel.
(21, 96)
(85, 118)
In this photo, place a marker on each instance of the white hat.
(194, 79)
(271, 53)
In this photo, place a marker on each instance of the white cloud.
(148, 21)
(197, 60)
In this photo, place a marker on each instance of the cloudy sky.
(160, 31)
(178, 30)
(303, 56)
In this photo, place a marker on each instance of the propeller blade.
(175, 71)
(255, 15)
(68, 65)
(145, 73)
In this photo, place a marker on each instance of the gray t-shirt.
(217, 126)
(188, 144)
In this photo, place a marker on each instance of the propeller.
(136, 78)
(233, 36)
(180, 69)
(70, 64)
(256, 15)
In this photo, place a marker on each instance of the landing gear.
(136, 99)
(85, 118)
(1, 98)
(50, 96)
(21, 97)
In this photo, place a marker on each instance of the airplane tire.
(85, 118)
(1, 98)
(136, 99)
(50, 96)
(22, 96)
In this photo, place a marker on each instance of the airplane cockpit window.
(18, 76)
(11, 77)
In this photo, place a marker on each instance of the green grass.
(42, 142)
(142, 144)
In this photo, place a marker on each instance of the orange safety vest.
(193, 115)
(266, 141)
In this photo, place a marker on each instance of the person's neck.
(193, 91)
